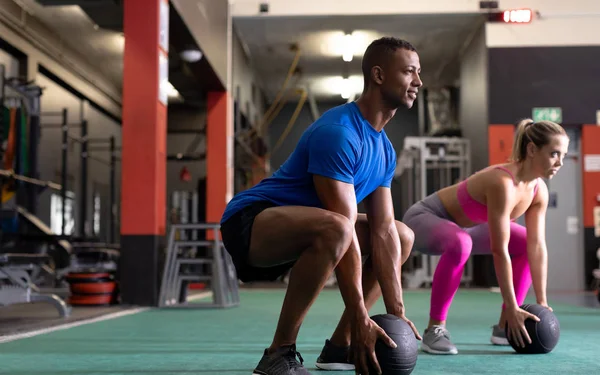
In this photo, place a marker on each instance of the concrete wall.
(278, 8)
(185, 143)
(208, 21)
(560, 23)
(250, 8)
(246, 86)
(473, 103)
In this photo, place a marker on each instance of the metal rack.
(426, 165)
(222, 277)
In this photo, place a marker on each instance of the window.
(56, 213)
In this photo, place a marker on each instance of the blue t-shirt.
(341, 145)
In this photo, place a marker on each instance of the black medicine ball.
(544, 334)
(401, 360)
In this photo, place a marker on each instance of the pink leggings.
(437, 234)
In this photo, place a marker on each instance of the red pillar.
(219, 156)
(143, 191)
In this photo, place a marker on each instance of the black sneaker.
(334, 358)
(281, 362)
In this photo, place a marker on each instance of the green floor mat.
(231, 341)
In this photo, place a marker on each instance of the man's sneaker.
(436, 340)
(499, 336)
(281, 362)
(334, 358)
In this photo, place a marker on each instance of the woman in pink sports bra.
(478, 216)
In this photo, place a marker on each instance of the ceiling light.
(171, 90)
(348, 47)
(191, 55)
(345, 88)
(337, 85)
(345, 44)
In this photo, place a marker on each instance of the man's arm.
(535, 221)
(332, 156)
(385, 248)
(339, 197)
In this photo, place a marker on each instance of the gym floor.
(231, 341)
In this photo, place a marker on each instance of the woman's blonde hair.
(537, 132)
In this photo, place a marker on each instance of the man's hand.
(365, 333)
(386, 251)
(403, 317)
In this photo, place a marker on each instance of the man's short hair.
(378, 51)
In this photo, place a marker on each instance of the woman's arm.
(499, 197)
(500, 204)
(535, 221)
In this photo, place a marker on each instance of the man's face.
(401, 79)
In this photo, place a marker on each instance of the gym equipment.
(92, 288)
(16, 285)
(222, 278)
(544, 334)
(22, 231)
(86, 146)
(187, 207)
(19, 124)
(402, 359)
(426, 165)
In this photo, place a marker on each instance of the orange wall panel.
(500, 140)
(590, 145)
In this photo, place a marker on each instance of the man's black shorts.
(236, 233)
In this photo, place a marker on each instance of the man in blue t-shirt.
(305, 218)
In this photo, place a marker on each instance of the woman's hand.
(544, 304)
(515, 319)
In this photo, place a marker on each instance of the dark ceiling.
(192, 80)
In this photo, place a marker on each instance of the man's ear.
(377, 74)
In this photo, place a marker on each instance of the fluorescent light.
(345, 88)
(348, 48)
(171, 90)
(338, 43)
(191, 55)
(338, 85)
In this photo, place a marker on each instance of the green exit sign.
(553, 114)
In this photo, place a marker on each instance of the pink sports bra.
(474, 210)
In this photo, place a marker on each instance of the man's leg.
(316, 239)
(334, 354)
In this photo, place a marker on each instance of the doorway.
(564, 222)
